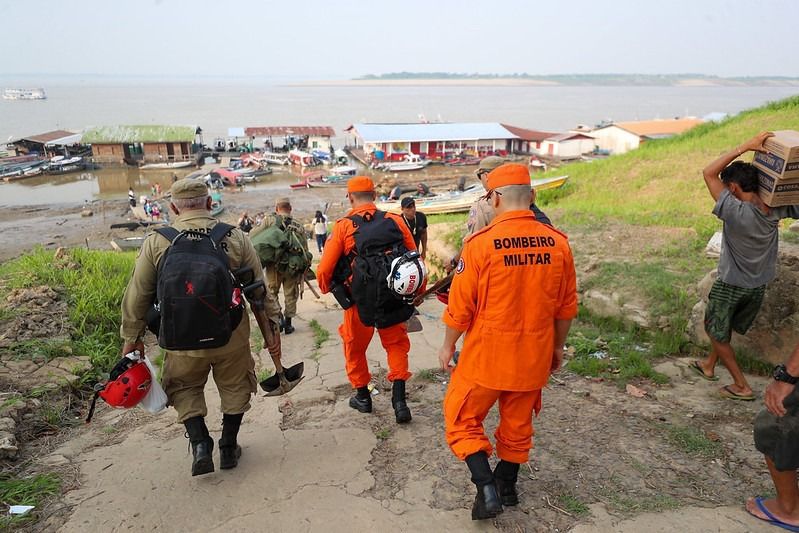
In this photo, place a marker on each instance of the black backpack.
(195, 291)
(378, 241)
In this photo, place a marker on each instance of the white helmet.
(407, 274)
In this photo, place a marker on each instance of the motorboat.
(24, 94)
(304, 159)
(63, 165)
(448, 202)
(344, 170)
(165, 166)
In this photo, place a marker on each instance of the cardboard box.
(778, 170)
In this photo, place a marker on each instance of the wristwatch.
(781, 374)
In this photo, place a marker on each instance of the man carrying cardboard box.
(747, 262)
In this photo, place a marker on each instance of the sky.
(319, 40)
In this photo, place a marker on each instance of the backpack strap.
(168, 232)
(219, 231)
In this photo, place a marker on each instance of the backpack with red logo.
(196, 291)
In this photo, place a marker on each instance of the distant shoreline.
(526, 82)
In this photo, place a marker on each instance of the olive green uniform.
(275, 279)
(185, 372)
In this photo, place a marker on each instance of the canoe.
(449, 202)
(124, 244)
(554, 182)
(162, 166)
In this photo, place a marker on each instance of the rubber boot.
(229, 449)
(362, 401)
(486, 503)
(202, 446)
(282, 324)
(505, 475)
(288, 329)
(401, 411)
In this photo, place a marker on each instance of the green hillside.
(661, 182)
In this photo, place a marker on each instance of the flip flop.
(773, 520)
(698, 369)
(728, 393)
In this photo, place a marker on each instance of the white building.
(621, 137)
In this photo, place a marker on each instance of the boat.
(273, 158)
(448, 202)
(25, 170)
(304, 159)
(402, 167)
(554, 182)
(24, 94)
(344, 170)
(126, 244)
(313, 182)
(165, 166)
(321, 155)
(62, 165)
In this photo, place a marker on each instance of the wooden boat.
(126, 244)
(62, 165)
(272, 158)
(344, 170)
(449, 202)
(401, 166)
(163, 166)
(554, 182)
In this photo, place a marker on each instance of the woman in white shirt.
(320, 230)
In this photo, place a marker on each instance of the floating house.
(529, 141)
(621, 137)
(58, 142)
(303, 137)
(144, 144)
(432, 140)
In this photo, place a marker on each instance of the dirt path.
(604, 460)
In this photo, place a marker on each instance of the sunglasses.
(491, 193)
(480, 172)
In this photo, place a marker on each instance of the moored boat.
(554, 182)
(165, 166)
(126, 244)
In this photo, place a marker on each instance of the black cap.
(407, 202)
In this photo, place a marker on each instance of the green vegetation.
(428, 374)
(660, 184)
(93, 283)
(383, 433)
(264, 373)
(32, 490)
(573, 505)
(615, 350)
(256, 340)
(320, 336)
(641, 504)
(691, 440)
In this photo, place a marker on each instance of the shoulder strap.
(168, 232)
(219, 231)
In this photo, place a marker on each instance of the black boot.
(362, 401)
(288, 329)
(202, 446)
(282, 324)
(401, 411)
(505, 475)
(229, 449)
(487, 503)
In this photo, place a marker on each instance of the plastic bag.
(156, 399)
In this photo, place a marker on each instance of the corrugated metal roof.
(139, 134)
(463, 131)
(529, 135)
(48, 137)
(268, 131)
(568, 136)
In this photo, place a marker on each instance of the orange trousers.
(356, 338)
(466, 405)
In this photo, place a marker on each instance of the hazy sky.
(312, 39)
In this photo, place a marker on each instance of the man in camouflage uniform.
(185, 372)
(277, 277)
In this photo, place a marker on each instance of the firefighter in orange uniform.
(514, 294)
(391, 327)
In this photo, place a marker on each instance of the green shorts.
(778, 437)
(731, 308)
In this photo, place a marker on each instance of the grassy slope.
(661, 183)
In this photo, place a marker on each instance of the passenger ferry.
(24, 94)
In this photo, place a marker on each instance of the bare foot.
(773, 507)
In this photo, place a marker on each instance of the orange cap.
(360, 184)
(508, 174)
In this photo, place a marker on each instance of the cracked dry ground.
(604, 460)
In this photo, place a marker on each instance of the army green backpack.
(283, 246)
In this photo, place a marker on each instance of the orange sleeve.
(462, 307)
(567, 297)
(334, 249)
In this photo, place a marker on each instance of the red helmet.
(129, 388)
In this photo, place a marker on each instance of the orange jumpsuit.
(354, 334)
(515, 278)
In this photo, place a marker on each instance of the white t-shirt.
(320, 228)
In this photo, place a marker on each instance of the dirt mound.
(39, 313)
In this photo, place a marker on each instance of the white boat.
(344, 170)
(402, 166)
(304, 159)
(162, 166)
(448, 202)
(62, 165)
(24, 94)
(273, 158)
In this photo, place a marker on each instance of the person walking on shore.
(510, 349)
(198, 341)
(320, 230)
(750, 239)
(364, 235)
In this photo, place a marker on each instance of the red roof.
(49, 136)
(268, 131)
(529, 135)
